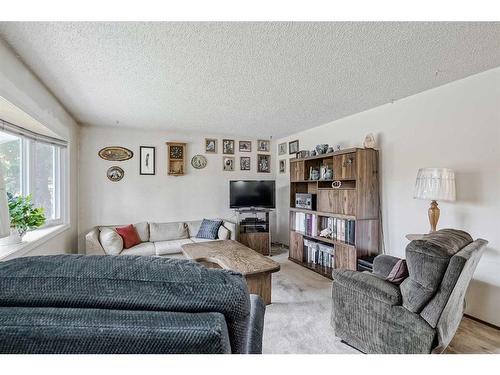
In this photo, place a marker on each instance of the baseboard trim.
(482, 321)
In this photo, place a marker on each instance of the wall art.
(228, 146)
(115, 153)
(147, 156)
(115, 173)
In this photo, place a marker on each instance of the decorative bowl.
(322, 148)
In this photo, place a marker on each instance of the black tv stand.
(254, 229)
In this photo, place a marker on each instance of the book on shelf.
(319, 254)
(340, 230)
(306, 223)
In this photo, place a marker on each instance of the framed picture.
(228, 163)
(293, 147)
(263, 145)
(228, 146)
(282, 148)
(245, 146)
(244, 163)
(147, 157)
(263, 163)
(283, 166)
(210, 145)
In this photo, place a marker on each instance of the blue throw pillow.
(209, 229)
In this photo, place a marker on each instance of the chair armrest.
(383, 264)
(92, 244)
(368, 285)
(255, 325)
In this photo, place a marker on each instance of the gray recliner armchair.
(125, 304)
(422, 314)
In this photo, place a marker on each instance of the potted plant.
(24, 216)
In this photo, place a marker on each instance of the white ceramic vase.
(13, 239)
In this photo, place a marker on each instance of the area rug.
(298, 320)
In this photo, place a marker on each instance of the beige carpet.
(298, 320)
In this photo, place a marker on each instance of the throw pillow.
(224, 233)
(111, 242)
(129, 236)
(398, 273)
(143, 231)
(209, 229)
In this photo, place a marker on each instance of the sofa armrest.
(232, 229)
(92, 244)
(366, 284)
(383, 265)
(256, 325)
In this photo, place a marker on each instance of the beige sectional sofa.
(158, 238)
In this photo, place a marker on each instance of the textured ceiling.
(259, 79)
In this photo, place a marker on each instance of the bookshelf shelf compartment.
(354, 207)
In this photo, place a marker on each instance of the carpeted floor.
(298, 320)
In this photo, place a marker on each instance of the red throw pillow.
(129, 235)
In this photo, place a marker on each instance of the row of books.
(319, 253)
(341, 230)
(306, 223)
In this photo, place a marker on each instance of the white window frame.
(61, 180)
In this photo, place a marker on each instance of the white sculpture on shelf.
(369, 141)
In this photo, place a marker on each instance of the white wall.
(457, 126)
(163, 198)
(23, 89)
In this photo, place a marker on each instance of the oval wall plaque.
(115, 153)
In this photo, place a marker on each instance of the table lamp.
(435, 184)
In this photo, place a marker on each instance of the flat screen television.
(252, 193)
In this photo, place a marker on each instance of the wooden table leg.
(260, 284)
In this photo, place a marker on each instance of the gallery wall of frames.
(129, 175)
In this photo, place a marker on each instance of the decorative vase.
(321, 149)
(314, 174)
(328, 175)
(330, 149)
(14, 238)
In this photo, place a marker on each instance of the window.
(10, 158)
(35, 167)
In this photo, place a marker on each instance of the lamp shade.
(4, 209)
(435, 184)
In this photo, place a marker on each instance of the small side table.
(414, 236)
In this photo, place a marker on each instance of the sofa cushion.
(223, 233)
(427, 260)
(170, 247)
(144, 248)
(129, 236)
(111, 242)
(193, 227)
(142, 229)
(209, 229)
(167, 231)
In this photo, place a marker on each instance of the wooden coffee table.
(232, 255)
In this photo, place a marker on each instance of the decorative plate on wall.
(115, 153)
(199, 161)
(115, 173)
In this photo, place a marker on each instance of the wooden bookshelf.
(357, 200)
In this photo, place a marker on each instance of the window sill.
(32, 240)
